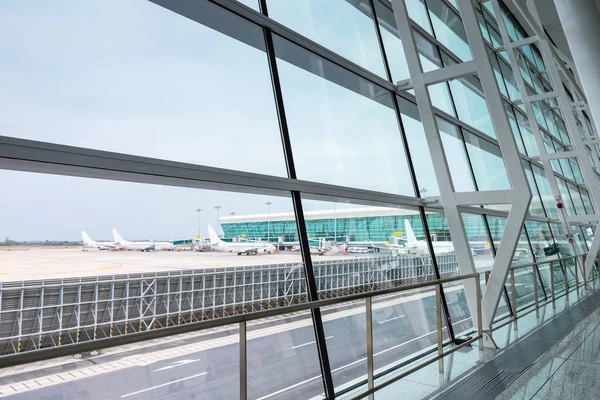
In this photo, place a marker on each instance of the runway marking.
(306, 344)
(164, 384)
(391, 319)
(176, 364)
(106, 267)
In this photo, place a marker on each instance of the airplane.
(414, 246)
(88, 242)
(248, 248)
(142, 246)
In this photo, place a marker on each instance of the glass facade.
(269, 145)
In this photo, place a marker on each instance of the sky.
(132, 77)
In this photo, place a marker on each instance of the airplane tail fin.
(214, 238)
(118, 238)
(86, 238)
(410, 235)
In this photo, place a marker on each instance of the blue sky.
(132, 77)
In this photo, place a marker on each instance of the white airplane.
(414, 246)
(248, 248)
(88, 242)
(142, 246)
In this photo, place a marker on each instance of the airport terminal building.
(373, 224)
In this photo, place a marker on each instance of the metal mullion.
(319, 329)
(386, 64)
(436, 271)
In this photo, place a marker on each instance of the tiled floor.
(560, 374)
(570, 370)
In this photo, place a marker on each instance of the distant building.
(377, 224)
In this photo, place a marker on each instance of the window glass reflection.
(566, 198)
(545, 191)
(328, 111)
(541, 240)
(471, 106)
(488, 165)
(576, 197)
(536, 207)
(337, 25)
(456, 156)
(420, 155)
(449, 29)
(560, 238)
(155, 84)
(418, 13)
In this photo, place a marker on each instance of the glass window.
(417, 143)
(523, 253)
(471, 106)
(479, 240)
(336, 25)
(449, 29)
(418, 13)
(564, 192)
(528, 138)
(545, 191)
(250, 3)
(561, 240)
(514, 127)
(440, 97)
(497, 73)
(509, 79)
(587, 203)
(329, 110)
(155, 84)
(576, 171)
(456, 156)
(536, 208)
(541, 240)
(488, 165)
(566, 167)
(576, 197)
(579, 239)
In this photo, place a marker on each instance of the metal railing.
(550, 299)
(243, 319)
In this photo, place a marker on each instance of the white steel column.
(519, 196)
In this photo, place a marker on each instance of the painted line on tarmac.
(306, 344)
(391, 319)
(342, 367)
(176, 364)
(163, 385)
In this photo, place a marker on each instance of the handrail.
(545, 262)
(75, 348)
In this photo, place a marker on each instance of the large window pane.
(456, 156)
(561, 240)
(536, 207)
(545, 191)
(449, 29)
(329, 110)
(420, 155)
(220, 264)
(576, 197)
(488, 165)
(541, 240)
(471, 106)
(155, 84)
(337, 25)
(564, 192)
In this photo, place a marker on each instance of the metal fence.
(47, 313)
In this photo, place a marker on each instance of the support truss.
(568, 109)
(518, 197)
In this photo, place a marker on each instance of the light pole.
(217, 207)
(199, 210)
(268, 204)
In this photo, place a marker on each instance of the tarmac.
(52, 263)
